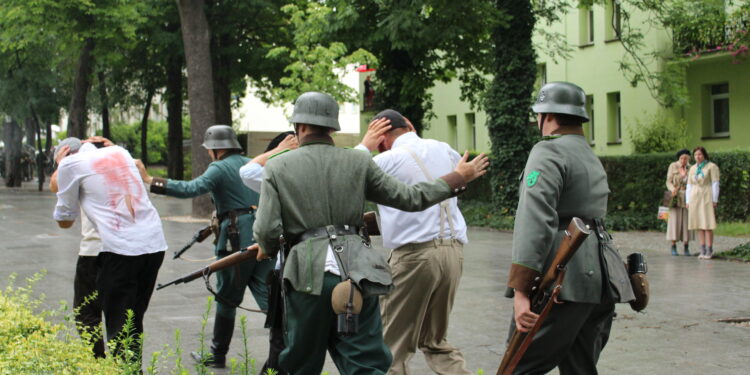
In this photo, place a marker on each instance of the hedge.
(637, 183)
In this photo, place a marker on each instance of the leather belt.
(341, 230)
(238, 212)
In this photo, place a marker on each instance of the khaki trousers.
(415, 314)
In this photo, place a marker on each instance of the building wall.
(595, 67)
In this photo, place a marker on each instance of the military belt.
(237, 212)
(341, 230)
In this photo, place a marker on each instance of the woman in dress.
(702, 197)
(677, 225)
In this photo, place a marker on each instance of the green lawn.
(733, 229)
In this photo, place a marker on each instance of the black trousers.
(571, 339)
(126, 283)
(89, 313)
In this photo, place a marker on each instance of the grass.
(733, 229)
(741, 252)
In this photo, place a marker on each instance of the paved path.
(678, 334)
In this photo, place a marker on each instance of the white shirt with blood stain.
(105, 183)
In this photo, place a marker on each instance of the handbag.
(669, 199)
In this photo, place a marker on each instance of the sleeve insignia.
(532, 178)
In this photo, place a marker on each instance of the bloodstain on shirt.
(121, 185)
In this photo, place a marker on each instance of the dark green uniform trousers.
(571, 338)
(311, 330)
(231, 284)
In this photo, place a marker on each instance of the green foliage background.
(659, 133)
(637, 183)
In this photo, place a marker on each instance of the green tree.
(508, 100)
(418, 43)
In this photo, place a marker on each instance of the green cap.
(316, 108)
(220, 137)
(561, 97)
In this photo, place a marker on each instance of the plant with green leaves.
(658, 133)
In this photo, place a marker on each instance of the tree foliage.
(659, 133)
(508, 100)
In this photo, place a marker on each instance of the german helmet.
(561, 97)
(220, 137)
(316, 108)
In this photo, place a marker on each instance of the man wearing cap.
(564, 179)
(314, 197)
(427, 256)
(235, 207)
(88, 306)
(104, 184)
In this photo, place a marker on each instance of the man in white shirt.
(88, 310)
(106, 185)
(427, 256)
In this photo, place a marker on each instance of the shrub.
(637, 186)
(660, 133)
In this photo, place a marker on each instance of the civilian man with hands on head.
(104, 183)
(427, 248)
(314, 196)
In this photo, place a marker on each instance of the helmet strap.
(541, 124)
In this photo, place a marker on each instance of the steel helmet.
(561, 97)
(316, 108)
(220, 137)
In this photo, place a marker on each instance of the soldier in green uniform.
(314, 196)
(564, 179)
(235, 208)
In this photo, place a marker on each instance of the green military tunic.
(222, 181)
(312, 187)
(564, 179)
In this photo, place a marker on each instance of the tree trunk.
(175, 157)
(196, 38)
(40, 158)
(78, 111)
(402, 87)
(144, 126)
(508, 100)
(48, 142)
(30, 131)
(105, 106)
(12, 137)
(222, 92)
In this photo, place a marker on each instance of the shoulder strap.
(444, 205)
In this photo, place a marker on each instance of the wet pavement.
(678, 333)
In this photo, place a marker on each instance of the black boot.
(276, 345)
(223, 330)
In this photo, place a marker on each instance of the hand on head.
(289, 143)
(99, 139)
(61, 154)
(376, 133)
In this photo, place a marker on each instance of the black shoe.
(211, 360)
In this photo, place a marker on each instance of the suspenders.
(445, 208)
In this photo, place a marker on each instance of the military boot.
(223, 330)
(276, 345)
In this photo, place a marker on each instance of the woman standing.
(702, 197)
(677, 225)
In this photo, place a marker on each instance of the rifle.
(199, 236)
(228, 261)
(544, 294)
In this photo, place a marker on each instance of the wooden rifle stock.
(226, 262)
(544, 294)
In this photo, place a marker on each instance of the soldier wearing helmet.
(314, 196)
(564, 179)
(235, 208)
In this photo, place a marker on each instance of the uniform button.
(308, 289)
(590, 273)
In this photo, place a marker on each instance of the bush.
(129, 137)
(741, 252)
(637, 186)
(660, 133)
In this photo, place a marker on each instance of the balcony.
(707, 28)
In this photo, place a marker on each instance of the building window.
(472, 129)
(586, 24)
(613, 12)
(720, 110)
(614, 115)
(590, 130)
(453, 131)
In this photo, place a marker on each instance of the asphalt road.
(678, 334)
